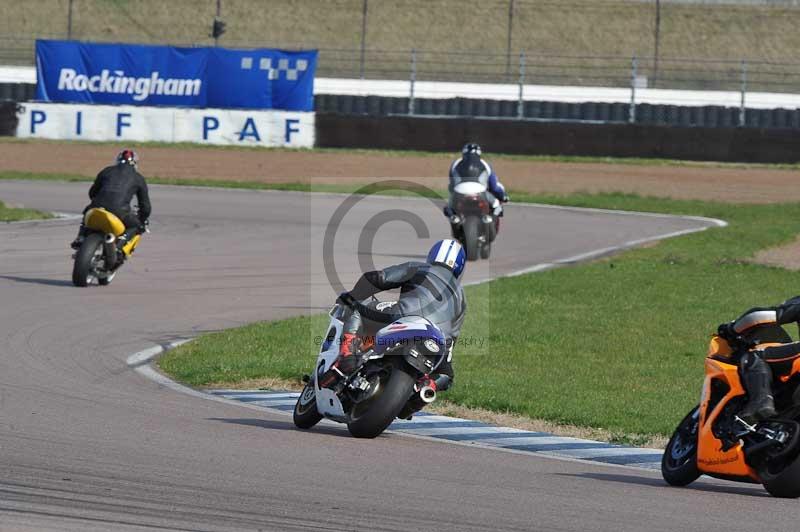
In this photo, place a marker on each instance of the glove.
(346, 299)
(505, 199)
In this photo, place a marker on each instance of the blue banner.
(69, 71)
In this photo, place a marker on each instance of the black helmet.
(471, 148)
(128, 157)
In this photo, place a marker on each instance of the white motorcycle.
(391, 382)
(473, 220)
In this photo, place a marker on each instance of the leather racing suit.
(427, 290)
(755, 366)
(472, 168)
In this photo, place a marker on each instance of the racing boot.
(76, 244)
(347, 362)
(757, 380)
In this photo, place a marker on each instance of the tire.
(383, 407)
(471, 237)
(491, 230)
(83, 258)
(784, 483)
(486, 250)
(305, 413)
(679, 462)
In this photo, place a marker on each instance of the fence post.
(412, 81)
(657, 39)
(69, 20)
(216, 19)
(632, 107)
(510, 32)
(521, 101)
(742, 109)
(363, 37)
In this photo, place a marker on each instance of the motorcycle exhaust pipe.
(110, 251)
(427, 394)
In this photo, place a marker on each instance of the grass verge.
(616, 344)
(629, 161)
(13, 214)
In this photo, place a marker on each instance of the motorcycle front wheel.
(679, 462)
(371, 417)
(306, 414)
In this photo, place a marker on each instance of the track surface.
(88, 444)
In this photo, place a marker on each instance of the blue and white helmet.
(449, 254)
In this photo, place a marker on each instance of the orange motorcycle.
(713, 440)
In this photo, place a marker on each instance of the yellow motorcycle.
(103, 250)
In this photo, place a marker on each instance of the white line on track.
(141, 362)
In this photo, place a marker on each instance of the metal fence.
(717, 84)
(365, 39)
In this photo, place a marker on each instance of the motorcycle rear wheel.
(82, 269)
(471, 237)
(306, 414)
(679, 462)
(783, 483)
(370, 418)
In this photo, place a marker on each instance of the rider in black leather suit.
(113, 190)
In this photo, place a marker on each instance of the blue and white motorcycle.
(392, 380)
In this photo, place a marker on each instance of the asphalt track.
(86, 443)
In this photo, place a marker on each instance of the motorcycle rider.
(471, 167)
(113, 190)
(754, 365)
(430, 289)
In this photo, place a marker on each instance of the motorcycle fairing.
(469, 188)
(130, 247)
(104, 221)
(408, 330)
(711, 458)
(328, 402)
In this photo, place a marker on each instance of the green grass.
(11, 214)
(616, 344)
(249, 185)
(632, 161)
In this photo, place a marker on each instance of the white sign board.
(166, 124)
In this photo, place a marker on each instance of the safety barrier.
(8, 119)
(733, 144)
(273, 128)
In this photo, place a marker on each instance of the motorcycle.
(391, 382)
(713, 440)
(102, 251)
(474, 219)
